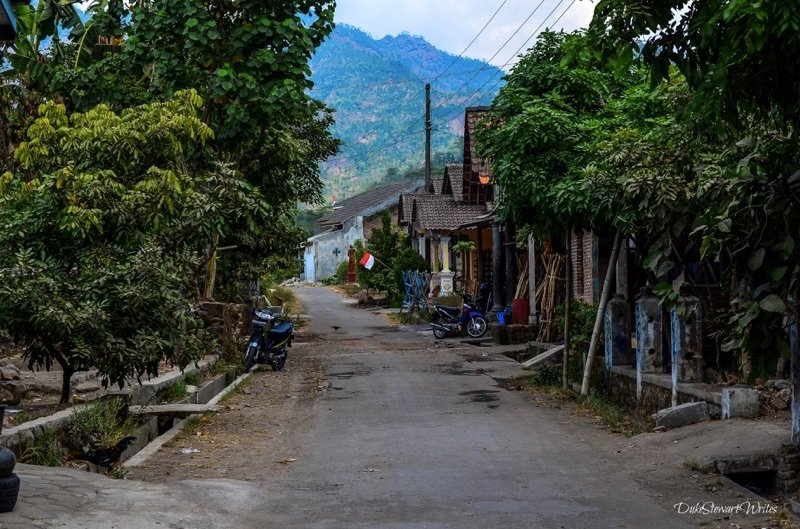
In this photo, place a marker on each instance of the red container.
(520, 309)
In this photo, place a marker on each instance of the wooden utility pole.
(427, 136)
(567, 307)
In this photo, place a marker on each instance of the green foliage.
(546, 375)
(535, 135)
(341, 271)
(102, 241)
(582, 316)
(97, 426)
(46, 450)
(394, 256)
(739, 56)
(174, 392)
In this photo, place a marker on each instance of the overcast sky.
(450, 25)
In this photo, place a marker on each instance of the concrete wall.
(321, 257)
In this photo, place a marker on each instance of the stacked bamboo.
(522, 281)
(550, 293)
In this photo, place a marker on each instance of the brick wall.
(375, 222)
(583, 247)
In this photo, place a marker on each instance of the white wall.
(320, 259)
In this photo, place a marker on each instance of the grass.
(190, 426)
(46, 450)
(610, 414)
(547, 380)
(99, 425)
(22, 416)
(174, 392)
(192, 379)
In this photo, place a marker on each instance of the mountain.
(377, 88)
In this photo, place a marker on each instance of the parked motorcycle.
(270, 347)
(454, 320)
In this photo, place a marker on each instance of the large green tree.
(104, 223)
(739, 59)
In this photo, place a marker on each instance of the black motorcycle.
(270, 347)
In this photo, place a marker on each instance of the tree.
(739, 56)
(739, 59)
(103, 225)
(536, 134)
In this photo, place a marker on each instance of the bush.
(341, 271)
(46, 450)
(582, 318)
(99, 425)
(546, 375)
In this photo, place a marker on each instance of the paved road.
(407, 434)
(420, 438)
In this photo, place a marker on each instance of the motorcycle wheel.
(278, 361)
(437, 319)
(250, 358)
(476, 326)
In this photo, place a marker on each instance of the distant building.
(452, 208)
(352, 219)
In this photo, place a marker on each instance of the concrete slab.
(538, 359)
(174, 410)
(682, 415)
(739, 402)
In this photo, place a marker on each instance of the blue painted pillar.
(649, 346)
(617, 333)
(687, 343)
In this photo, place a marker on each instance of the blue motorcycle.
(454, 320)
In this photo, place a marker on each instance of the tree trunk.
(66, 377)
(211, 269)
(601, 311)
(567, 308)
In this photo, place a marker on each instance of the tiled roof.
(406, 209)
(367, 203)
(454, 175)
(436, 185)
(442, 212)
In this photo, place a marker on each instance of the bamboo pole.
(567, 309)
(601, 311)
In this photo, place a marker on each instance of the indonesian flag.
(367, 260)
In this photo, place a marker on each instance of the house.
(350, 220)
(452, 208)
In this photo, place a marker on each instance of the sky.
(450, 25)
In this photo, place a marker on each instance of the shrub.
(99, 425)
(46, 450)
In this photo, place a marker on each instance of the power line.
(514, 55)
(402, 139)
(472, 41)
(503, 46)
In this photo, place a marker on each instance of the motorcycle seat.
(455, 311)
(280, 331)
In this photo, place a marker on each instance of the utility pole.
(427, 136)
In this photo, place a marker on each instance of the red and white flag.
(367, 260)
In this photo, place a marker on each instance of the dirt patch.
(248, 437)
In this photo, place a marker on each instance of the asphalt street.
(407, 432)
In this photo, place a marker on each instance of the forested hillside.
(377, 88)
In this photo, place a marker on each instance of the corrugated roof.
(368, 203)
(442, 212)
